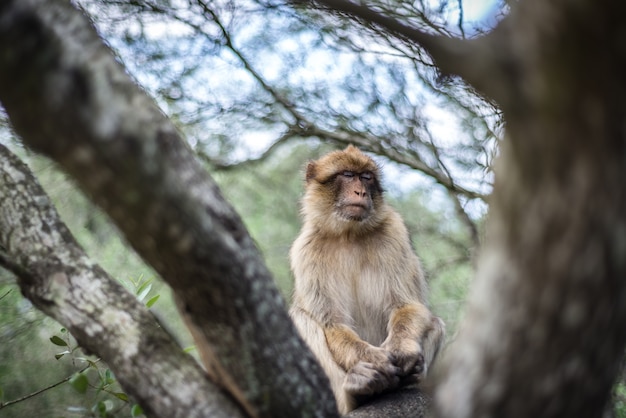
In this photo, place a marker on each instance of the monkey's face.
(354, 194)
(343, 192)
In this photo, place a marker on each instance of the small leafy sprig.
(141, 287)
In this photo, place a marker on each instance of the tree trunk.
(545, 330)
(68, 98)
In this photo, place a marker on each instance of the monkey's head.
(343, 191)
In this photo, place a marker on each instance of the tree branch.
(69, 98)
(408, 402)
(221, 165)
(57, 276)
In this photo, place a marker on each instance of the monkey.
(359, 298)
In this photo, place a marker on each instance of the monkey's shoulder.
(392, 221)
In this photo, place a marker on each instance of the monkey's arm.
(415, 336)
(369, 369)
(348, 349)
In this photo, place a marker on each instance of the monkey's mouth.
(355, 211)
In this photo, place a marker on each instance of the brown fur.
(360, 295)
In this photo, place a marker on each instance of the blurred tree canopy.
(280, 73)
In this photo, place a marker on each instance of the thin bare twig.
(219, 165)
(6, 294)
(437, 45)
(40, 391)
(465, 218)
(376, 146)
(476, 60)
(460, 22)
(257, 76)
(460, 210)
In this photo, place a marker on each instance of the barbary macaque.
(359, 297)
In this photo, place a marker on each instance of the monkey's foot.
(409, 363)
(369, 379)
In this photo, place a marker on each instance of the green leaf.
(144, 289)
(109, 377)
(136, 410)
(59, 355)
(80, 383)
(100, 408)
(122, 396)
(189, 349)
(152, 301)
(58, 341)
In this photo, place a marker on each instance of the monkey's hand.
(365, 379)
(406, 354)
(373, 373)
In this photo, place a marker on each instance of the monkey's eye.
(347, 174)
(366, 176)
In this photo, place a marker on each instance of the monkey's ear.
(310, 171)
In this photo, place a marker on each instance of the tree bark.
(58, 277)
(403, 403)
(544, 333)
(68, 98)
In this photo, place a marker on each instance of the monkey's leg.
(313, 334)
(432, 342)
